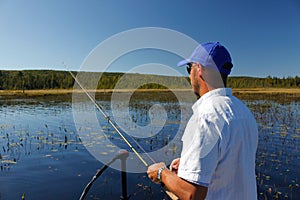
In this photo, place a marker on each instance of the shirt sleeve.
(200, 155)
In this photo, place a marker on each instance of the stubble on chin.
(197, 95)
(196, 88)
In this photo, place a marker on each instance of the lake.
(49, 149)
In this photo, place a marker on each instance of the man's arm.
(178, 186)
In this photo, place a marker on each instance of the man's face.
(192, 70)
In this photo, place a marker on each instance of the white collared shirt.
(219, 147)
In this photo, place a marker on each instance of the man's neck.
(203, 90)
(207, 88)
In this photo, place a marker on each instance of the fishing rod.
(99, 107)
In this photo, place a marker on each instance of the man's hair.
(228, 66)
(214, 78)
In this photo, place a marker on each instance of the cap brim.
(183, 62)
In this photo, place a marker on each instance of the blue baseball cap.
(212, 55)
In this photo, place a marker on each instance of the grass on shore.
(70, 91)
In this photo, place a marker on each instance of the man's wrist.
(159, 173)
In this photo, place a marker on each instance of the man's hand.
(174, 165)
(152, 171)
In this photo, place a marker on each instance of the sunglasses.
(189, 67)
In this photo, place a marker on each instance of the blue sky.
(263, 36)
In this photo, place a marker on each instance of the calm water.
(43, 157)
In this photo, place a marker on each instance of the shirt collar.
(213, 93)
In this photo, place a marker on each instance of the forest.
(51, 79)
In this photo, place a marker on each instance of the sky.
(263, 36)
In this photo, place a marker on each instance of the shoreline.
(45, 92)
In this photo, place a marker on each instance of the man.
(220, 140)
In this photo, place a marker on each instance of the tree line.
(51, 79)
(269, 82)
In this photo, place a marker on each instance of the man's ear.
(199, 69)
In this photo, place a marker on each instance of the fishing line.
(99, 107)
